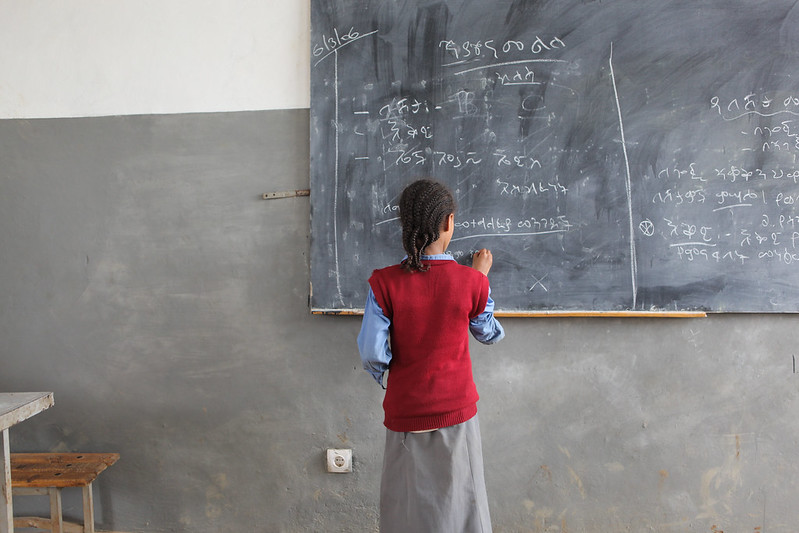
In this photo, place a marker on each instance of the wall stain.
(720, 484)
(547, 473)
(577, 481)
(664, 474)
(215, 497)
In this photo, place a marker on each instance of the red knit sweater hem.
(424, 423)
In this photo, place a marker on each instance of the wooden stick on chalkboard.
(286, 194)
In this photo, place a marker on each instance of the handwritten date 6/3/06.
(334, 41)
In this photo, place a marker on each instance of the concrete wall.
(145, 283)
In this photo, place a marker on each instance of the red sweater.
(430, 382)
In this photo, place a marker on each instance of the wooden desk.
(15, 407)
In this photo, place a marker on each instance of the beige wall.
(126, 57)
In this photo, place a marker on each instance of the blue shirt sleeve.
(485, 327)
(373, 339)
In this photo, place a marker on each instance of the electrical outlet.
(339, 461)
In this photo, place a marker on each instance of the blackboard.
(617, 155)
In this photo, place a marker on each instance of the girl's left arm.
(373, 342)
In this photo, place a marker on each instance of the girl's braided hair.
(424, 205)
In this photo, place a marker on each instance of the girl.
(433, 466)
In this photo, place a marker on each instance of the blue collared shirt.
(373, 340)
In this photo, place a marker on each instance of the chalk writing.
(520, 161)
(690, 194)
(506, 224)
(526, 77)
(574, 175)
(338, 39)
(679, 197)
(531, 188)
(467, 49)
(752, 103)
(398, 107)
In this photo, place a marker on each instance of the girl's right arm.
(485, 328)
(482, 260)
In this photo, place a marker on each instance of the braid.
(424, 205)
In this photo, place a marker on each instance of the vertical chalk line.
(628, 185)
(335, 184)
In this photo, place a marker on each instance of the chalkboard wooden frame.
(624, 158)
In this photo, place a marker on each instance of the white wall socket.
(339, 461)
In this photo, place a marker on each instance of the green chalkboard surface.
(619, 155)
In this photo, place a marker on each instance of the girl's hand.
(482, 260)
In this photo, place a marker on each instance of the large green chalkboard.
(615, 155)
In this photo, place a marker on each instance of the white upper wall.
(125, 57)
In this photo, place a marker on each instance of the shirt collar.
(434, 257)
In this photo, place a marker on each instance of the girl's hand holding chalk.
(482, 260)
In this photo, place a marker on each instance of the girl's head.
(424, 206)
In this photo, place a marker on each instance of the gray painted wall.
(144, 281)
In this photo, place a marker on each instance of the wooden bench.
(49, 473)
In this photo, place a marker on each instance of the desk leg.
(6, 512)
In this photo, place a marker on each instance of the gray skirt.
(434, 483)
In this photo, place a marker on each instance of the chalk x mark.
(538, 281)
